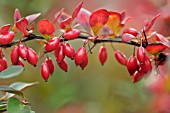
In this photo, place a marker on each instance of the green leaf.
(10, 90)
(3, 107)
(18, 86)
(11, 72)
(15, 106)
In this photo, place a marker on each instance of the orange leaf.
(98, 19)
(155, 48)
(114, 22)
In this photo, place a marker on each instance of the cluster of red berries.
(60, 50)
(21, 51)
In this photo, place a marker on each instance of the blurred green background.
(97, 89)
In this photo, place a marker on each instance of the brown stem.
(33, 37)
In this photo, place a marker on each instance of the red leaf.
(163, 40)
(57, 16)
(66, 24)
(45, 27)
(98, 19)
(22, 25)
(155, 48)
(83, 19)
(127, 37)
(5, 29)
(76, 11)
(33, 17)
(17, 15)
(149, 25)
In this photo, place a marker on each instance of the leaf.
(15, 106)
(5, 29)
(163, 40)
(32, 18)
(3, 107)
(17, 15)
(22, 25)
(11, 72)
(10, 90)
(18, 86)
(98, 19)
(155, 48)
(149, 25)
(57, 16)
(114, 22)
(45, 27)
(83, 19)
(76, 11)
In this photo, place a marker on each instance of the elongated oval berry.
(60, 55)
(85, 62)
(63, 65)
(45, 72)
(102, 55)
(23, 51)
(141, 54)
(146, 66)
(20, 62)
(50, 64)
(120, 57)
(132, 65)
(14, 55)
(1, 68)
(137, 76)
(52, 44)
(80, 56)
(131, 31)
(3, 63)
(6, 38)
(71, 34)
(68, 50)
(32, 57)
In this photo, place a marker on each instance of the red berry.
(14, 55)
(120, 57)
(45, 72)
(132, 65)
(1, 68)
(131, 31)
(20, 62)
(71, 34)
(137, 76)
(85, 62)
(3, 63)
(102, 55)
(68, 50)
(50, 64)
(32, 57)
(146, 66)
(52, 44)
(63, 65)
(6, 38)
(60, 55)
(80, 56)
(23, 51)
(141, 54)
